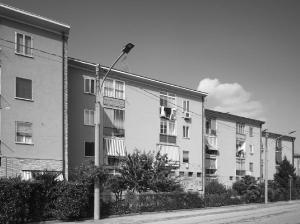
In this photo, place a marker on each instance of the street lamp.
(99, 136)
(266, 165)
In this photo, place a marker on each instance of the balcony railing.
(114, 147)
(240, 172)
(172, 153)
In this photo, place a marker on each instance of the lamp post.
(98, 132)
(266, 165)
(290, 180)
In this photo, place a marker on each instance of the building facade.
(33, 109)
(232, 146)
(137, 113)
(279, 147)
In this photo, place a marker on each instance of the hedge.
(149, 202)
(25, 201)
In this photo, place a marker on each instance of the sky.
(244, 53)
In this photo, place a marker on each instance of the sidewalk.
(178, 214)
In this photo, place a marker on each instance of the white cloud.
(230, 97)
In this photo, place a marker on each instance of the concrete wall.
(286, 151)
(78, 101)
(45, 111)
(142, 121)
(226, 142)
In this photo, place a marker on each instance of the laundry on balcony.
(211, 142)
(172, 153)
(168, 113)
(240, 149)
(114, 147)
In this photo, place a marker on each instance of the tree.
(143, 171)
(242, 185)
(282, 177)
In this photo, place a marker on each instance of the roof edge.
(36, 16)
(141, 77)
(230, 116)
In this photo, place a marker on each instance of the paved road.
(280, 212)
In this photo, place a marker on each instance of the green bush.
(70, 201)
(21, 201)
(214, 187)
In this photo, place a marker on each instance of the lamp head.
(128, 48)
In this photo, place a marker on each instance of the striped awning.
(114, 146)
(171, 151)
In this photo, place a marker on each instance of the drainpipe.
(203, 152)
(65, 108)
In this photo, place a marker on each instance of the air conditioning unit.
(187, 115)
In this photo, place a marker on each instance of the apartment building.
(232, 147)
(137, 113)
(279, 147)
(33, 103)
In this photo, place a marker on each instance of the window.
(198, 174)
(114, 88)
(24, 132)
(89, 117)
(186, 133)
(23, 88)
(211, 126)
(185, 156)
(89, 149)
(167, 127)
(167, 100)
(251, 167)
(186, 106)
(190, 174)
(251, 131)
(89, 85)
(23, 44)
(181, 173)
(251, 149)
(109, 88)
(240, 167)
(240, 128)
(114, 122)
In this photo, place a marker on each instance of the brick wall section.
(12, 167)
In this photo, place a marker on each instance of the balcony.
(114, 147)
(240, 172)
(172, 153)
(167, 139)
(211, 146)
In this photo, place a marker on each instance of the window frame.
(251, 167)
(240, 128)
(186, 131)
(185, 106)
(169, 103)
(89, 117)
(251, 131)
(167, 123)
(85, 149)
(16, 133)
(23, 45)
(114, 89)
(23, 98)
(184, 160)
(251, 149)
(90, 79)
